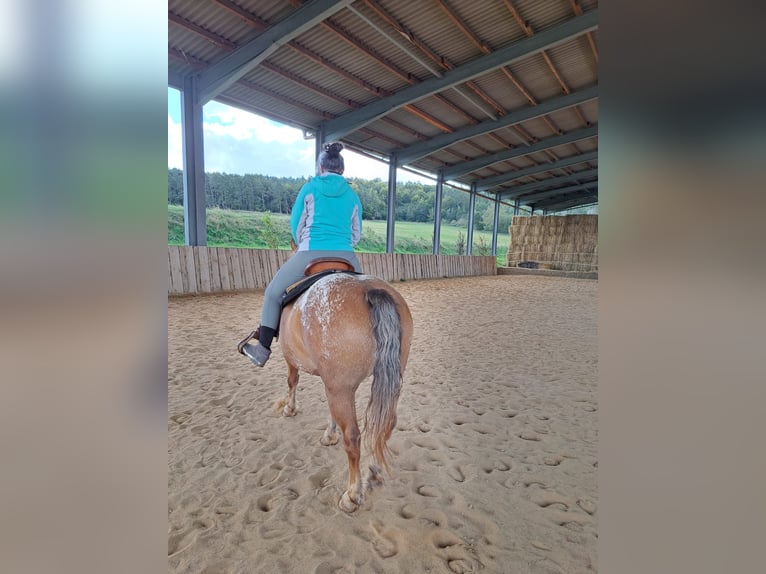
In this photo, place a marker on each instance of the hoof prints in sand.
(494, 455)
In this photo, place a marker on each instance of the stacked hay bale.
(565, 242)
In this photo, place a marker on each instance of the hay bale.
(568, 242)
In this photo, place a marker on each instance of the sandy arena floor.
(494, 464)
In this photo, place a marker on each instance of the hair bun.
(333, 149)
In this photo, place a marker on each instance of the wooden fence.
(216, 269)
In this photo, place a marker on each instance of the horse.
(344, 328)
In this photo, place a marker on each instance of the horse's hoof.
(289, 411)
(346, 504)
(328, 440)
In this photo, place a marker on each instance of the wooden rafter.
(525, 26)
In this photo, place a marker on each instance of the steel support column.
(438, 212)
(391, 206)
(471, 208)
(516, 206)
(495, 225)
(195, 232)
(318, 143)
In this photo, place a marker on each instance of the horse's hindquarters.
(340, 336)
(329, 325)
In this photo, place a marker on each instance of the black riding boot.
(260, 352)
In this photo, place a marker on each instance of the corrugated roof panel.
(569, 150)
(395, 133)
(499, 87)
(411, 120)
(289, 89)
(492, 142)
(590, 111)
(272, 11)
(515, 135)
(300, 72)
(575, 63)
(540, 129)
(353, 60)
(543, 14)
(462, 107)
(400, 134)
(536, 76)
(567, 120)
(476, 102)
(211, 17)
(450, 109)
(529, 160)
(181, 61)
(491, 22)
(384, 42)
(374, 140)
(447, 156)
(193, 43)
(460, 153)
(430, 25)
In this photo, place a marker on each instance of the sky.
(241, 142)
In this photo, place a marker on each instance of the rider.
(326, 221)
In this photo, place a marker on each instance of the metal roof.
(497, 94)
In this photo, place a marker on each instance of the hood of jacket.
(330, 184)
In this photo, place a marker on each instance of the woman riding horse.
(344, 328)
(326, 221)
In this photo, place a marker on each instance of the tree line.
(414, 201)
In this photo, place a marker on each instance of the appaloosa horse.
(344, 328)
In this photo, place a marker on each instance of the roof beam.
(409, 154)
(537, 197)
(351, 121)
(542, 168)
(220, 76)
(577, 9)
(175, 80)
(442, 62)
(588, 201)
(564, 202)
(463, 27)
(525, 25)
(519, 190)
(547, 143)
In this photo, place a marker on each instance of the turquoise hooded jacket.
(327, 215)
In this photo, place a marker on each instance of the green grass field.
(227, 228)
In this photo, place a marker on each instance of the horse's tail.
(380, 416)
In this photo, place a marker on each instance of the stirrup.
(246, 340)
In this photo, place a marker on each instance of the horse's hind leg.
(289, 409)
(343, 412)
(330, 435)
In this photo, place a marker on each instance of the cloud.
(243, 143)
(220, 119)
(229, 154)
(175, 144)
